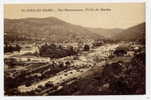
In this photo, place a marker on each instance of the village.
(50, 70)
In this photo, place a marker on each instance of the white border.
(148, 49)
(69, 1)
(130, 97)
(1, 50)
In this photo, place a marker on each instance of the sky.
(97, 15)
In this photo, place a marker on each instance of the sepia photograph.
(74, 49)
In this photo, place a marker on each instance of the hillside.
(54, 29)
(106, 33)
(51, 29)
(133, 33)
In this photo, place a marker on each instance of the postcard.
(74, 49)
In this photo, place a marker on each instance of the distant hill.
(133, 33)
(106, 33)
(50, 29)
(54, 29)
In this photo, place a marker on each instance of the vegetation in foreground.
(120, 78)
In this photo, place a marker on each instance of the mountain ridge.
(55, 29)
(136, 32)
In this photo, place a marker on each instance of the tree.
(86, 47)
